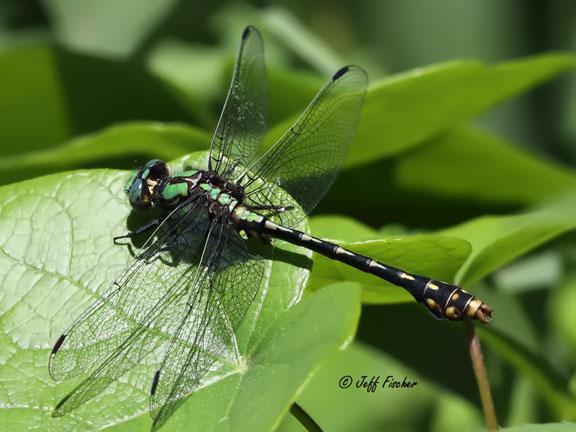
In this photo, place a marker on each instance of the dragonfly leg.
(152, 224)
(273, 208)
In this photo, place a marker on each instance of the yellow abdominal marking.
(432, 305)
(452, 313)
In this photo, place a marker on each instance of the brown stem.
(481, 378)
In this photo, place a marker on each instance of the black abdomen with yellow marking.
(442, 299)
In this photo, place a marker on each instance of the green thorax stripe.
(175, 190)
(244, 214)
(206, 187)
(222, 198)
(214, 193)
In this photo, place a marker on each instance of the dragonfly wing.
(242, 123)
(130, 352)
(217, 307)
(306, 160)
(113, 334)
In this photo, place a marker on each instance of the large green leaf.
(471, 250)
(204, 72)
(197, 69)
(403, 110)
(57, 256)
(426, 406)
(290, 31)
(114, 145)
(435, 255)
(451, 177)
(497, 240)
(550, 383)
(406, 109)
(547, 427)
(561, 311)
(279, 367)
(50, 95)
(473, 164)
(109, 27)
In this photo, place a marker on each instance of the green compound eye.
(155, 169)
(152, 163)
(139, 195)
(130, 181)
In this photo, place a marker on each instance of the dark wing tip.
(58, 411)
(340, 72)
(155, 382)
(247, 31)
(58, 344)
(356, 70)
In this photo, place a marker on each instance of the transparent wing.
(218, 305)
(243, 120)
(306, 160)
(137, 315)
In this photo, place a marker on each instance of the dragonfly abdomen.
(442, 299)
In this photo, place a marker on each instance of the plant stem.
(481, 378)
(304, 418)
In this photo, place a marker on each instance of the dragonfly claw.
(484, 314)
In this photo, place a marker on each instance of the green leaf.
(291, 32)
(470, 163)
(57, 255)
(290, 351)
(421, 407)
(109, 27)
(145, 140)
(344, 409)
(514, 338)
(50, 95)
(405, 109)
(511, 317)
(523, 405)
(433, 255)
(197, 69)
(341, 228)
(494, 242)
(531, 273)
(550, 384)
(289, 92)
(548, 427)
(561, 312)
(497, 240)
(456, 414)
(449, 178)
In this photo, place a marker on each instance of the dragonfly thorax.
(153, 186)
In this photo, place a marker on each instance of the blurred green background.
(109, 83)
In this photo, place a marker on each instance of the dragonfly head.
(141, 184)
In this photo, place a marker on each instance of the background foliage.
(462, 170)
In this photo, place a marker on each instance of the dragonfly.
(201, 242)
